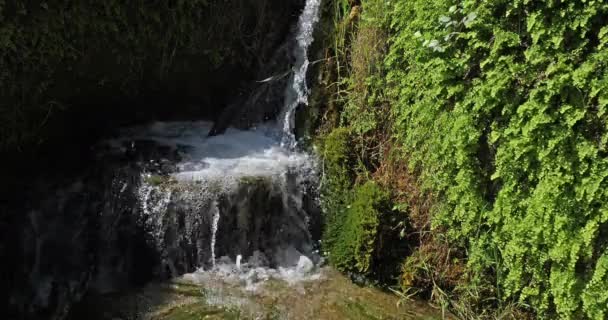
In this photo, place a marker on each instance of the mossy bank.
(483, 127)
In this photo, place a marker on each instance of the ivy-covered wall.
(65, 63)
(487, 122)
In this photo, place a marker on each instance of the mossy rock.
(160, 180)
(336, 147)
(255, 180)
(186, 289)
(355, 248)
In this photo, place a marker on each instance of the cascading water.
(214, 225)
(207, 201)
(297, 92)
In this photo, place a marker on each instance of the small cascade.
(204, 199)
(240, 202)
(297, 92)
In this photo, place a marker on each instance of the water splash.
(238, 261)
(297, 92)
(242, 182)
(214, 226)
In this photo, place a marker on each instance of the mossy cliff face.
(486, 122)
(68, 68)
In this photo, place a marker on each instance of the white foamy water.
(252, 275)
(225, 158)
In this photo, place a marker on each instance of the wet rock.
(305, 265)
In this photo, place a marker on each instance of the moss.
(336, 182)
(358, 231)
(254, 180)
(157, 180)
(359, 310)
(358, 235)
(337, 160)
(352, 215)
(186, 289)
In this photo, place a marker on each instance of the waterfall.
(241, 198)
(297, 92)
(164, 199)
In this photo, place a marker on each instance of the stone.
(305, 265)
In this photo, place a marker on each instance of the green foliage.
(352, 213)
(359, 228)
(336, 152)
(356, 242)
(336, 183)
(501, 108)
